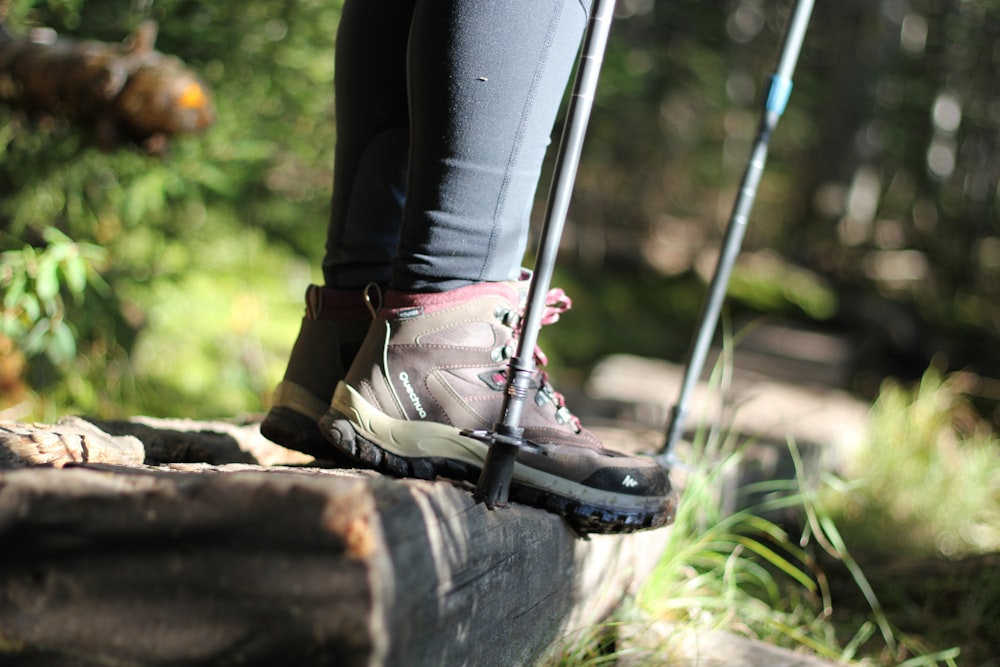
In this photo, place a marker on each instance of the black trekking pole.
(774, 106)
(506, 438)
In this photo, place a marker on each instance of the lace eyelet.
(502, 353)
(507, 317)
(563, 415)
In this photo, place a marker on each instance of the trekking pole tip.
(493, 487)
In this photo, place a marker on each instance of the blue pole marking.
(777, 96)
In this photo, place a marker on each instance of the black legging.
(465, 92)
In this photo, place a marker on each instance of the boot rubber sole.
(426, 450)
(294, 430)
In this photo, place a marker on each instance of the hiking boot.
(433, 365)
(332, 329)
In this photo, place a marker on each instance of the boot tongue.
(521, 285)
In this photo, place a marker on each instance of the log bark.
(195, 564)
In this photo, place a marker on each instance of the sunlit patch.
(193, 97)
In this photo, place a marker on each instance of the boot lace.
(557, 302)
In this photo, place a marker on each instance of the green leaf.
(75, 271)
(61, 343)
(12, 326)
(34, 342)
(32, 308)
(47, 280)
(55, 236)
(15, 291)
(144, 197)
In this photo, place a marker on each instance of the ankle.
(328, 303)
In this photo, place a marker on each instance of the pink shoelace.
(557, 302)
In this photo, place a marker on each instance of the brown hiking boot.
(433, 365)
(332, 329)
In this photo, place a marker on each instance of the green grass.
(922, 510)
(845, 583)
(930, 479)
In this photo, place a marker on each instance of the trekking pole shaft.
(495, 478)
(774, 106)
(716, 292)
(564, 176)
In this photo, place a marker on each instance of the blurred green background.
(134, 284)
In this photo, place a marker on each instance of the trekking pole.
(774, 106)
(506, 438)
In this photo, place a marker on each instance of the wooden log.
(139, 440)
(125, 91)
(194, 564)
(196, 441)
(759, 413)
(71, 440)
(662, 643)
(751, 404)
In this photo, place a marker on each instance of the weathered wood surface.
(199, 564)
(662, 643)
(139, 440)
(747, 402)
(827, 425)
(72, 440)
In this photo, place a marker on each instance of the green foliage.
(222, 214)
(928, 479)
(768, 284)
(810, 589)
(742, 570)
(35, 283)
(881, 176)
(618, 310)
(219, 331)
